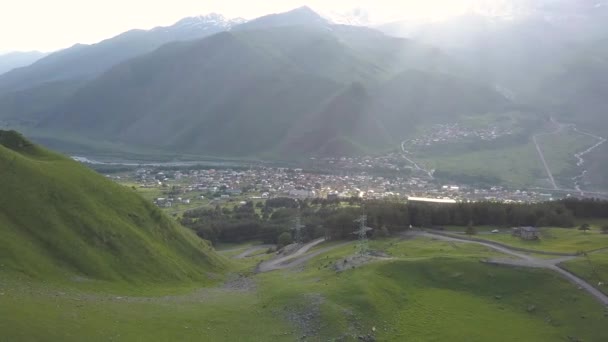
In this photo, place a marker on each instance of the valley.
(165, 283)
(402, 171)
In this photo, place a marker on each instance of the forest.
(335, 219)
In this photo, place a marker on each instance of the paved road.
(529, 261)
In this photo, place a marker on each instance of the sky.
(49, 25)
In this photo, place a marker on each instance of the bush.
(285, 239)
(381, 233)
(471, 230)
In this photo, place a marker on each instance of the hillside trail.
(251, 250)
(559, 128)
(414, 164)
(296, 258)
(275, 263)
(581, 161)
(525, 260)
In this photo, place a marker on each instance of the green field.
(514, 164)
(556, 240)
(424, 290)
(559, 150)
(592, 267)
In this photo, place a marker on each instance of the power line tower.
(362, 231)
(297, 229)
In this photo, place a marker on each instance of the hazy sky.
(48, 25)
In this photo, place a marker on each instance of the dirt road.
(529, 261)
(252, 250)
(281, 262)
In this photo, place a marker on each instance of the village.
(194, 186)
(454, 132)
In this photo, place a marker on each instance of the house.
(526, 233)
(333, 196)
(302, 193)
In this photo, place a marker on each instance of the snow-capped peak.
(211, 19)
(353, 17)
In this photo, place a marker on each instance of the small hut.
(526, 233)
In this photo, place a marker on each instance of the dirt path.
(581, 162)
(529, 261)
(416, 166)
(252, 250)
(297, 258)
(559, 128)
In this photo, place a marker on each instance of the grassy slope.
(59, 219)
(592, 267)
(559, 152)
(430, 291)
(437, 291)
(556, 240)
(516, 165)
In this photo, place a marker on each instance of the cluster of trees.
(586, 208)
(334, 219)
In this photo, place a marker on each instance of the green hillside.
(60, 220)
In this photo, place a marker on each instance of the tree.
(285, 239)
(605, 229)
(470, 229)
(584, 227)
(381, 233)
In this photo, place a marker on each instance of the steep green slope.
(59, 219)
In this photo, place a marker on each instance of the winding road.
(288, 260)
(301, 255)
(526, 260)
(579, 156)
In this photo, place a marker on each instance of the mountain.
(512, 43)
(83, 62)
(354, 17)
(264, 92)
(303, 16)
(60, 220)
(576, 91)
(13, 60)
(415, 97)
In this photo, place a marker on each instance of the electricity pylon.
(297, 229)
(362, 231)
